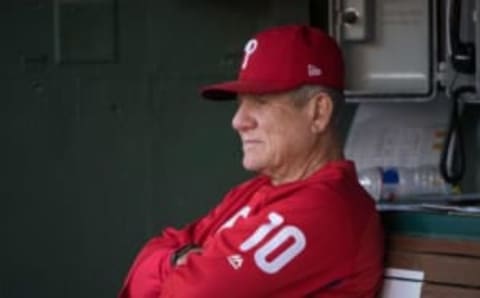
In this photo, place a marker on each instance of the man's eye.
(261, 99)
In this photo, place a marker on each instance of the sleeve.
(274, 253)
(163, 246)
(160, 249)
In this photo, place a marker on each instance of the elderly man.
(303, 227)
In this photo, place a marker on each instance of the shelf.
(432, 224)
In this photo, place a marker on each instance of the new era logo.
(236, 261)
(313, 71)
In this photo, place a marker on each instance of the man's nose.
(243, 120)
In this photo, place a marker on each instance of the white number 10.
(274, 265)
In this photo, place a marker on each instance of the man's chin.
(251, 165)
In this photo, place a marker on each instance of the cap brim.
(229, 90)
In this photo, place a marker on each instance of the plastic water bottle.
(401, 182)
(391, 183)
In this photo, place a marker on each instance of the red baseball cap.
(284, 58)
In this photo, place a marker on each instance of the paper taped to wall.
(398, 134)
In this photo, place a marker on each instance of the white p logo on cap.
(250, 47)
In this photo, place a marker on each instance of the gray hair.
(303, 94)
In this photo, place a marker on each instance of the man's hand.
(181, 260)
(180, 257)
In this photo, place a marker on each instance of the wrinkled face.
(276, 135)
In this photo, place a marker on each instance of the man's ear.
(322, 111)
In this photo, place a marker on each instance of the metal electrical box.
(389, 48)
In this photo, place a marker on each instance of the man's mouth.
(249, 143)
